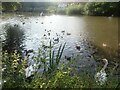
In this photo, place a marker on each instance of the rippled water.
(27, 32)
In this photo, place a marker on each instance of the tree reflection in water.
(14, 37)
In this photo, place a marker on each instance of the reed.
(54, 60)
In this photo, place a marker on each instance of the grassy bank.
(54, 74)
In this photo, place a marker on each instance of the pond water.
(81, 34)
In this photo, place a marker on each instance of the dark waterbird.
(63, 31)
(56, 39)
(44, 35)
(48, 34)
(61, 36)
(68, 57)
(78, 47)
(68, 33)
(56, 34)
(23, 23)
(15, 25)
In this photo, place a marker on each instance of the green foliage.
(13, 71)
(74, 9)
(91, 8)
(61, 11)
(101, 8)
(59, 79)
(13, 67)
(0, 6)
(94, 8)
(47, 54)
(51, 9)
(11, 6)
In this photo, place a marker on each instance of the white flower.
(3, 69)
(4, 81)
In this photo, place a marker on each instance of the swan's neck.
(104, 66)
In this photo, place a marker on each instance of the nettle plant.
(13, 70)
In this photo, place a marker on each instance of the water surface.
(28, 32)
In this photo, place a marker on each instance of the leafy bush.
(74, 9)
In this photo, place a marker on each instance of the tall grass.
(55, 60)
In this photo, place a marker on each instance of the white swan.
(101, 76)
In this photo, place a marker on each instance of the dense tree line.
(102, 8)
(94, 8)
(88, 8)
(26, 6)
(35, 6)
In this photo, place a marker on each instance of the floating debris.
(119, 44)
(104, 45)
